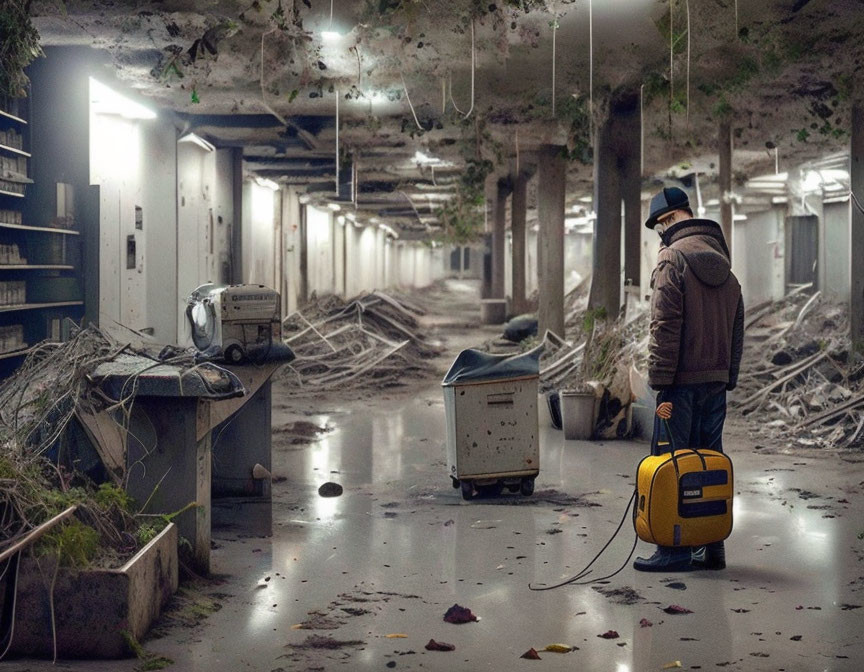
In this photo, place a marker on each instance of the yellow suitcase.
(684, 498)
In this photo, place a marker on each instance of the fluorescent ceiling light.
(199, 141)
(351, 216)
(341, 219)
(426, 160)
(267, 184)
(335, 207)
(105, 100)
(304, 199)
(778, 200)
(330, 36)
(740, 217)
(586, 199)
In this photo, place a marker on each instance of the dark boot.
(712, 556)
(666, 559)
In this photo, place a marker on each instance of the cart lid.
(473, 366)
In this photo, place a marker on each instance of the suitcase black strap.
(675, 457)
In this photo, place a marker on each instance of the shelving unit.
(40, 261)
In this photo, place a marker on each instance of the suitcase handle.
(675, 458)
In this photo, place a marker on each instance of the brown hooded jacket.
(697, 313)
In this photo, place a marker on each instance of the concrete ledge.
(94, 608)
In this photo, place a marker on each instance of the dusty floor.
(400, 547)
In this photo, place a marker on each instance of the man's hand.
(664, 410)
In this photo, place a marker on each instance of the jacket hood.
(701, 243)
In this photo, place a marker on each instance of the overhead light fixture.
(330, 36)
(267, 184)
(425, 160)
(106, 100)
(779, 200)
(197, 140)
(739, 217)
(341, 219)
(374, 220)
(335, 207)
(304, 199)
(351, 216)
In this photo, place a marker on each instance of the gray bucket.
(577, 411)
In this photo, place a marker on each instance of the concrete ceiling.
(267, 75)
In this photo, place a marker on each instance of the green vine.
(462, 217)
(19, 45)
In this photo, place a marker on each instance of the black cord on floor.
(576, 580)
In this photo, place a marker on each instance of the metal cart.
(493, 438)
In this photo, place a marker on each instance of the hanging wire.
(337, 143)
(473, 69)
(591, 71)
(642, 130)
(408, 98)
(776, 160)
(736, 18)
(554, 34)
(671, 67)
(331, 15)
(687, 4)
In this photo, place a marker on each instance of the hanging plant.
(462, 216)
(19, 45)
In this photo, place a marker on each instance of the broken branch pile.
(373, 339)
(799, 378)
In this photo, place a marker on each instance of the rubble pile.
(38, 481)
(371, 340)
(800, 380)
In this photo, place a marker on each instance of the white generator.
(493, 437)
(240, 321)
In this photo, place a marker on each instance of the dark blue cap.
(671, 198)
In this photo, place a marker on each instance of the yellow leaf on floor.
(396, 636)
(559, 648)
(672, 665)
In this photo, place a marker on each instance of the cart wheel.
(527, 486)
(234, 354)
(467, 490)
(514, 487)
(455, 482)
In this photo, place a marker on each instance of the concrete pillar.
(304, 257)
(518, 217)
(499, 234)
(856, 308)
(551, 188)
(606, 277)
(631, 192)
(724, 146)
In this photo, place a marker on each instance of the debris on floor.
(558, 648)
(330, 489)
(432, 645)
(531, 654)
(459, 615)
(624, 595)
(800, 377)
(677, 609)
(372, 340)
(610, 634)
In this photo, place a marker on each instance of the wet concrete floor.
(400, 547)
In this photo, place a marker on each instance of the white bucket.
(577, 411)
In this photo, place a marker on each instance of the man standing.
(697, 335)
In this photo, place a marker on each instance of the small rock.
(330, 489)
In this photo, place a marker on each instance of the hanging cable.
(337, 143)
(473, 70)
(331, 15)
(687, 4)
(591, 71)
(554, 34)
(408, 98)
(736, 18)
(671, 67)
(642, 130)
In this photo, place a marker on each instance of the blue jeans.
(698, 414)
